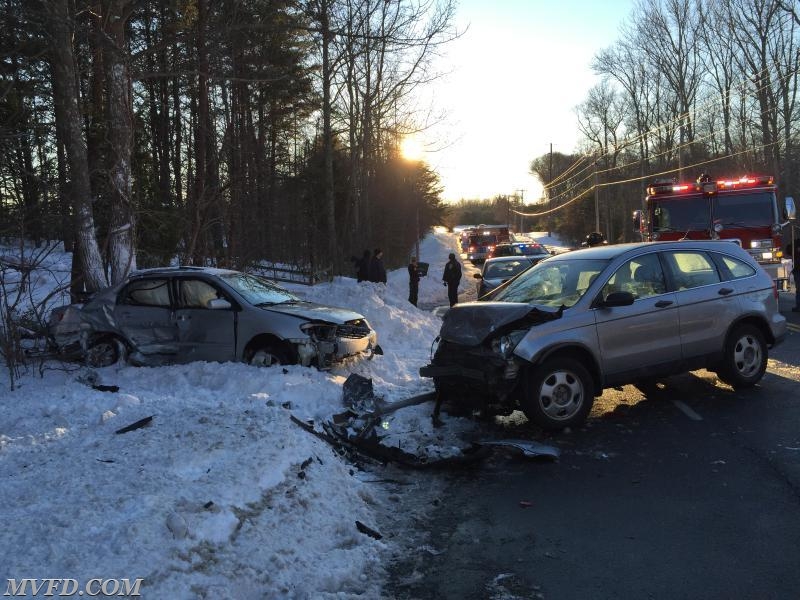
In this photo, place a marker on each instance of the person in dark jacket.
(413, 280)
(377, 272)
(362, 266)
(793, 250)
(451, 278)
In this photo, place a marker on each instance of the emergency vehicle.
(478, 242)
(744, 211)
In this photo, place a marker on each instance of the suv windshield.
(553, 282)
(257, 290)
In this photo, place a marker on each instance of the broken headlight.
(322, 332)
(504, 345)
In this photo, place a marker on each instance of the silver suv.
(579, 322)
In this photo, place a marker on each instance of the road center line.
(687, 411)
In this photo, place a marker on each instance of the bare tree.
(58, 24)
(121, 239)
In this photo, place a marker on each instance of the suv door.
(642, 339)
(204, 333)
(706, 304)
(143, 314)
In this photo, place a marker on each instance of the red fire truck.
(743, 210)
(477, 242)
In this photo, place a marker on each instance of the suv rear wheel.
(558, 394)
(745, 360)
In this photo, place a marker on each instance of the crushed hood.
(315, 312)
(471, 323)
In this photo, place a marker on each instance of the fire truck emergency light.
(708, 187)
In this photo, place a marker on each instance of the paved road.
(691, 493)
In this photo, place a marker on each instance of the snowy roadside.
(221, 495)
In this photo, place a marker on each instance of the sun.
(411, 148)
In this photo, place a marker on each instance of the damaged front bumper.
(324, 353)
(470, 371)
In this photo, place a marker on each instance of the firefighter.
(594, 239)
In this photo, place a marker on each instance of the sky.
(513, 81)
(222, 496)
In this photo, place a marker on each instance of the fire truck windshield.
(745, 210)
(733, 210)
(680, 214)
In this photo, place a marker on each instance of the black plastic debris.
(137, 425)
(358, 393)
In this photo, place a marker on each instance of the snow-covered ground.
(221, 495)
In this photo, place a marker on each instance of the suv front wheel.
(558, 393)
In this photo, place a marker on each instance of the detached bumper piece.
(452, 371)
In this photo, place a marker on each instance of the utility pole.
(521, 194)
(550, 195)
(596, 200)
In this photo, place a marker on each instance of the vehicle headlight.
(504, 345)
(319, 331)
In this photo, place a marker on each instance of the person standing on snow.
(362, 266)
(377, 272)
(413, 280)
(451, 278)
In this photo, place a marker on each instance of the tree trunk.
(121, 240)
(65, 96)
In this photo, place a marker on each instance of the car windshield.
(505, 268)
(258, 291)
(553, 282)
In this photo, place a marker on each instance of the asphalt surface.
(690, 492)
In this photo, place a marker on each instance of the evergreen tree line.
(690, 87)
(222, 132)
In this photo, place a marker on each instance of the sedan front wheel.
(268, 356)
(559, 394)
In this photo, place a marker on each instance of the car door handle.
(725, 291)
(663, 303)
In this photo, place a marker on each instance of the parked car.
(497, 271)
(184, 314)
(519, 249)
(533, 249)
(579, 322)
(510, 249)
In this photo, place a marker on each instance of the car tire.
(268, 356)
(745, 360)
(104, 352)
(559, 393)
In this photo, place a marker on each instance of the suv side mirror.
(791, 211)
(617, 299)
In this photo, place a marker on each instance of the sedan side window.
(146, 292)
(194, 293)
(692, 269)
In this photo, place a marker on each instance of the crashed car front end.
(328, 343)
(474, 361)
